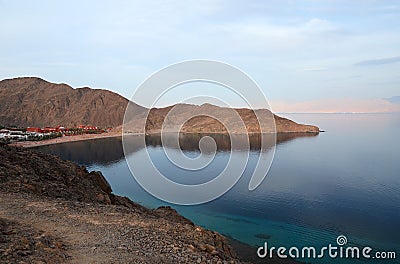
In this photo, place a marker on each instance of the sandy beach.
(63, 139)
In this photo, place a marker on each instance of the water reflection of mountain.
(190, 142)
(286, 137)
(99, 151)
(109, 150)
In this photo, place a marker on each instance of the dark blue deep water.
(345, 181)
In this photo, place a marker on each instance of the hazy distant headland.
(32, 101)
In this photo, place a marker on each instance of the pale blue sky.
(295, 50)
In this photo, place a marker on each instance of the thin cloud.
(58, 64)
(378, 61)
(393, 99)
(316, 69)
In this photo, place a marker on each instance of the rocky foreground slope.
(53, 211)
(32, 101)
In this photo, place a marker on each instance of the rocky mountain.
(31, 101)
(36, 102)
(197, 119)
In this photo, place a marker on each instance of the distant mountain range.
(31, 101)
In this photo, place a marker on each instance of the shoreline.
(64, 139)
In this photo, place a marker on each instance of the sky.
(316, 56)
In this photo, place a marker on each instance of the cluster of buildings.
(45, 129)
(61, 129)
(40, 133)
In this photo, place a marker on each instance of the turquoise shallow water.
(342, 182)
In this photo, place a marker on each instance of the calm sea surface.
(345, 181)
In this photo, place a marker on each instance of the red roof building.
(34, 129)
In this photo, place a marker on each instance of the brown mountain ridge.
(32, 101)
